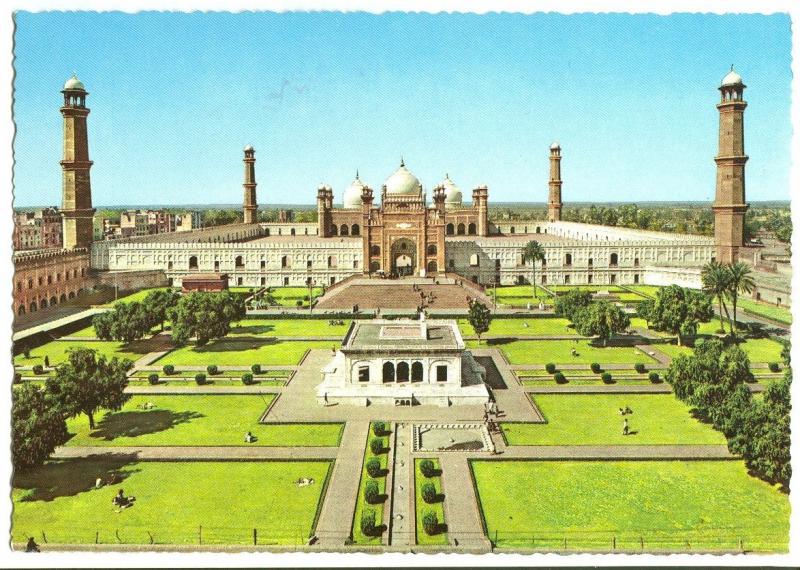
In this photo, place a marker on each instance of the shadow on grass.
(136, 423)
(440, 528)
(493, 377)
(252, 329)
(69, 477)
(236, 344)
(378, 499)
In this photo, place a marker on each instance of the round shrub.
(306, 298)
(367, 523)
(255, 369)
(378, 428)
(17, 377)
(639, 367)
(371, 491)
(376, 445)
(550, 367)
(427, 468)
(607, 379)
(299, 303)
(774, 367)
(374, 468)
(560, 378)
(200, 378)
(429, 492)
(153, 379)
(247, 378)
(38, 369)
(169, 369)
(212, 369)
(430, 522)
(655, 378)
(595, 367)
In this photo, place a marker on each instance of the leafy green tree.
(205, 316)
(644, 310)
(158, 303)
(533, 253)
(126, 322)
(103, 322)
(575, 299)
(37, 426)
(679, 311)
(86, 383)
(601, 319)
(740, 281)
(479, 317)
(716, 283)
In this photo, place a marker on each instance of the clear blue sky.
(175, 97)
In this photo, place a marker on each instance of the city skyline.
(314, 119)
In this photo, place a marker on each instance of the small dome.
(732, 78)
(352, 194)
(74, 84)
(555, 146)
(402, 182)
(248, 148)
(452, 193)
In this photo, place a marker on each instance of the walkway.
(652, 351)
(461, 511)
(615, 389)
(200, 453)
(403, 515)
(165, 389)
(615, 452)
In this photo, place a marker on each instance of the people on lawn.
(249, 438)
(121, 501)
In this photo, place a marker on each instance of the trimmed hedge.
(429, 492)
(153, 379)
(371, 492)
(430, 522)
(168, 369)
(212, 369)
(376, 446)
(655, 378)
(367, 523)
(255, 369)
(550, 367)
(595, 367)
(560, 378)
(374, 467)
(639, 367)
(607, 378)
(427, 468)
(247, 379)
(200, 378)
(774, 367)
(38, 369)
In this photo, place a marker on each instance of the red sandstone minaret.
(554, 203)
(250, 206)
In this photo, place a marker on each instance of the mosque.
(412, 230)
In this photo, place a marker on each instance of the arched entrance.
(404, 257)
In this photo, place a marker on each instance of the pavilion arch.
(374, 266)
(239, 262)
(71, 295)
(460, 229)
(62, 298)
(53, 300)
(416, 371)
(432, 249)
(472, 229)
(433, 267)
(388, 372)
(43, 304)
(403, 372)
(292, 232)
(32, 307)
(450, 230)
(355, 230)
(193, 262)
(344, 230)
(334, 230)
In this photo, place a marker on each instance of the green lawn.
(173, 500)
(759, 350)
(516, 327)
(361, 504)
(519, 295)
(780, 314)
(197, 420)
(594, 419)
(665, 504)
(560, 352)
(422, 507)
(243, 351)
(138, 296)
(648, 290)
(288, 296)
(56, 351)
(288, 328)
(88, 332)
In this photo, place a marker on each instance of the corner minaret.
(729, 205)
(554, 203)
(250, 206)
(76, 202)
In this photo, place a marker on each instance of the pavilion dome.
(402, 182)
(555, 146)
(732, 78)
(352, 194)
(74, 84)
(452, 193)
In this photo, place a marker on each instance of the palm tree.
(741, 281)
(533, 252)
(716, 282)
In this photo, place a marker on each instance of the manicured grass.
(173, 500)
(56, 351)
(227, 374)
(517, 327)
(519, 295)
(648, 290)
(780, 314)
(361, 505)
(197, 421)
(422, 507)
(288, 296)
(138, 296)
(288, 328)
(242, 351)
(710, 505)
(88, 332)
(560, 352)
(594, 419)
(216, 382)
(757, 349)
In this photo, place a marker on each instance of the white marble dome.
(248, 148)
(402, 182)
(352, 194)
(732, 78)
(74, 84)
(452, 193)
(555, 146)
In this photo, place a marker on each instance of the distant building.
(41, 229)
(208, 282)
(188, 221)
(134, 223)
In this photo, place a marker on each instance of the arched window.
(375, 266)
(21, 310)
(30, 283)
(471, 230)
(71, 295)
(402, 372)
(344, 231)
(32, 307)
(62, 298)
(512, 229)
(334, 230)
(388, 372)
(432, 249)
(591, 262)
(266, 232)
(193, 262)
(43, 304)
(53, 301)
(460, 229)
(416, 372)
(375, 250)
(614, 259)
(355, 230)
(474, 261)
(239, 262)
(292, 232)
(449, 230)
(284, 262)
(432, 266)
(538, 230)
(568, 259)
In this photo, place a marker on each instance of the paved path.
(461, 512)
(652, 351)
(403, 516)
(199, 453)
(200, 368)
(336, 517)
(615, 389)
(199, 390)
(562, 366)
(615, 452)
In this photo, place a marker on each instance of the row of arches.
(344, 230)
(402, 372)
(513, 230)
(461, 229)
(34, 306)
(375, 250)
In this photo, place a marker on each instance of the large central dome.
(352, 195)
(402, 182)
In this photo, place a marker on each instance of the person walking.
(625, 426)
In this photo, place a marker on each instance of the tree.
(740, 281)
(37, 426)
(716, 282)
(205, 316)
(678, 310)
(601, 319)
(126, 322)
(644, 310)
(480, 317)
(532, 253)
(158, 303)
(87, 382)
(574, 300)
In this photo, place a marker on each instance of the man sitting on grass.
(121, 501)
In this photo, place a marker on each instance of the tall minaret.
(729, 205)
(250, 205)
(554, 203)
(76, 202)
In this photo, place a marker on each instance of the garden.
(368, 527)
